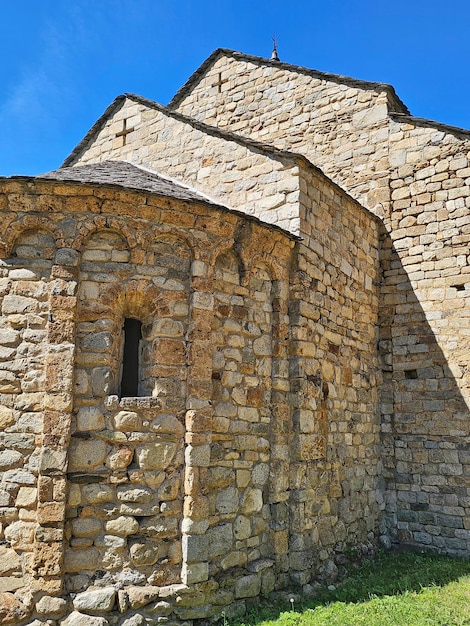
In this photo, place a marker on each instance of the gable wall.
(340, 128)
(227, 171)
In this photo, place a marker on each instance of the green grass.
(394, 589)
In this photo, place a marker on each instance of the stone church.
(234, 345)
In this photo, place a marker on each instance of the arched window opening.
(132, 331)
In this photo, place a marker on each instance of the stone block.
(198, 456)
(11, 583)
(9, 560)
(122, 526)
(227, 500)
(97, 493)
(10, 458)
(143, 554)
(247, 586)
(195, 548)
(86, 454)
(127, 421)
(155, 455)
(12, 611)
(95, 600)
(80, 619)
(219, 540)
(141, 596)
(252, 501)
(81, 560)
(6, 417)
(89, 418)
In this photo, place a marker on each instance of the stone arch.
(105, 224)
(228, 268)
(30, 223)
(162, 231)
(276, 270)
(32, 253)
(173, 253)
(137, 298)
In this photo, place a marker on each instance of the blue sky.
(64, 61)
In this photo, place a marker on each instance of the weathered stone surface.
(168, 424)
(252, 501)
(134, 494)
(11, 583)
(9, 560)
(155, 455)
(90, 418)
(134, 620)
(123, 526)
(120, 459)
(79, 619)
(80, 560)
(6, 417)
(95, 600)
(247, 586)
(219, 540)
(97, 493)
(227, 500)
(127, 421)
(141, 596)
(20, 534)
(9, 458)
(51, 607)
(144, 553)
(86, 455)
(12, 611)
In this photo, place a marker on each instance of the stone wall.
(427, 297)
(137, 506)
(336, 484)
(413, 174)
(222, 481)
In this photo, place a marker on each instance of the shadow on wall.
(425, 404)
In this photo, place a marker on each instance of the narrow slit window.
(130, 357)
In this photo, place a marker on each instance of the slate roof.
(132, 177)
(125, 175)
(395, 101)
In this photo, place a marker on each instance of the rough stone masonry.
(222, 367)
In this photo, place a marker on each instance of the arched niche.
(33, 250)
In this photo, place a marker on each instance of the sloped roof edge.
(463, 133)
(398, 104)
(267, 149)
(66, 179)
(94, 130)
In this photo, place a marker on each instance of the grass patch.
(394, 589)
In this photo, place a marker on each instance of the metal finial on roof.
(274, 56)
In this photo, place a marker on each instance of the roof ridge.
(356, 82)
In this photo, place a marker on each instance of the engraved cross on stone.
(124, 132)
(220, 82)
